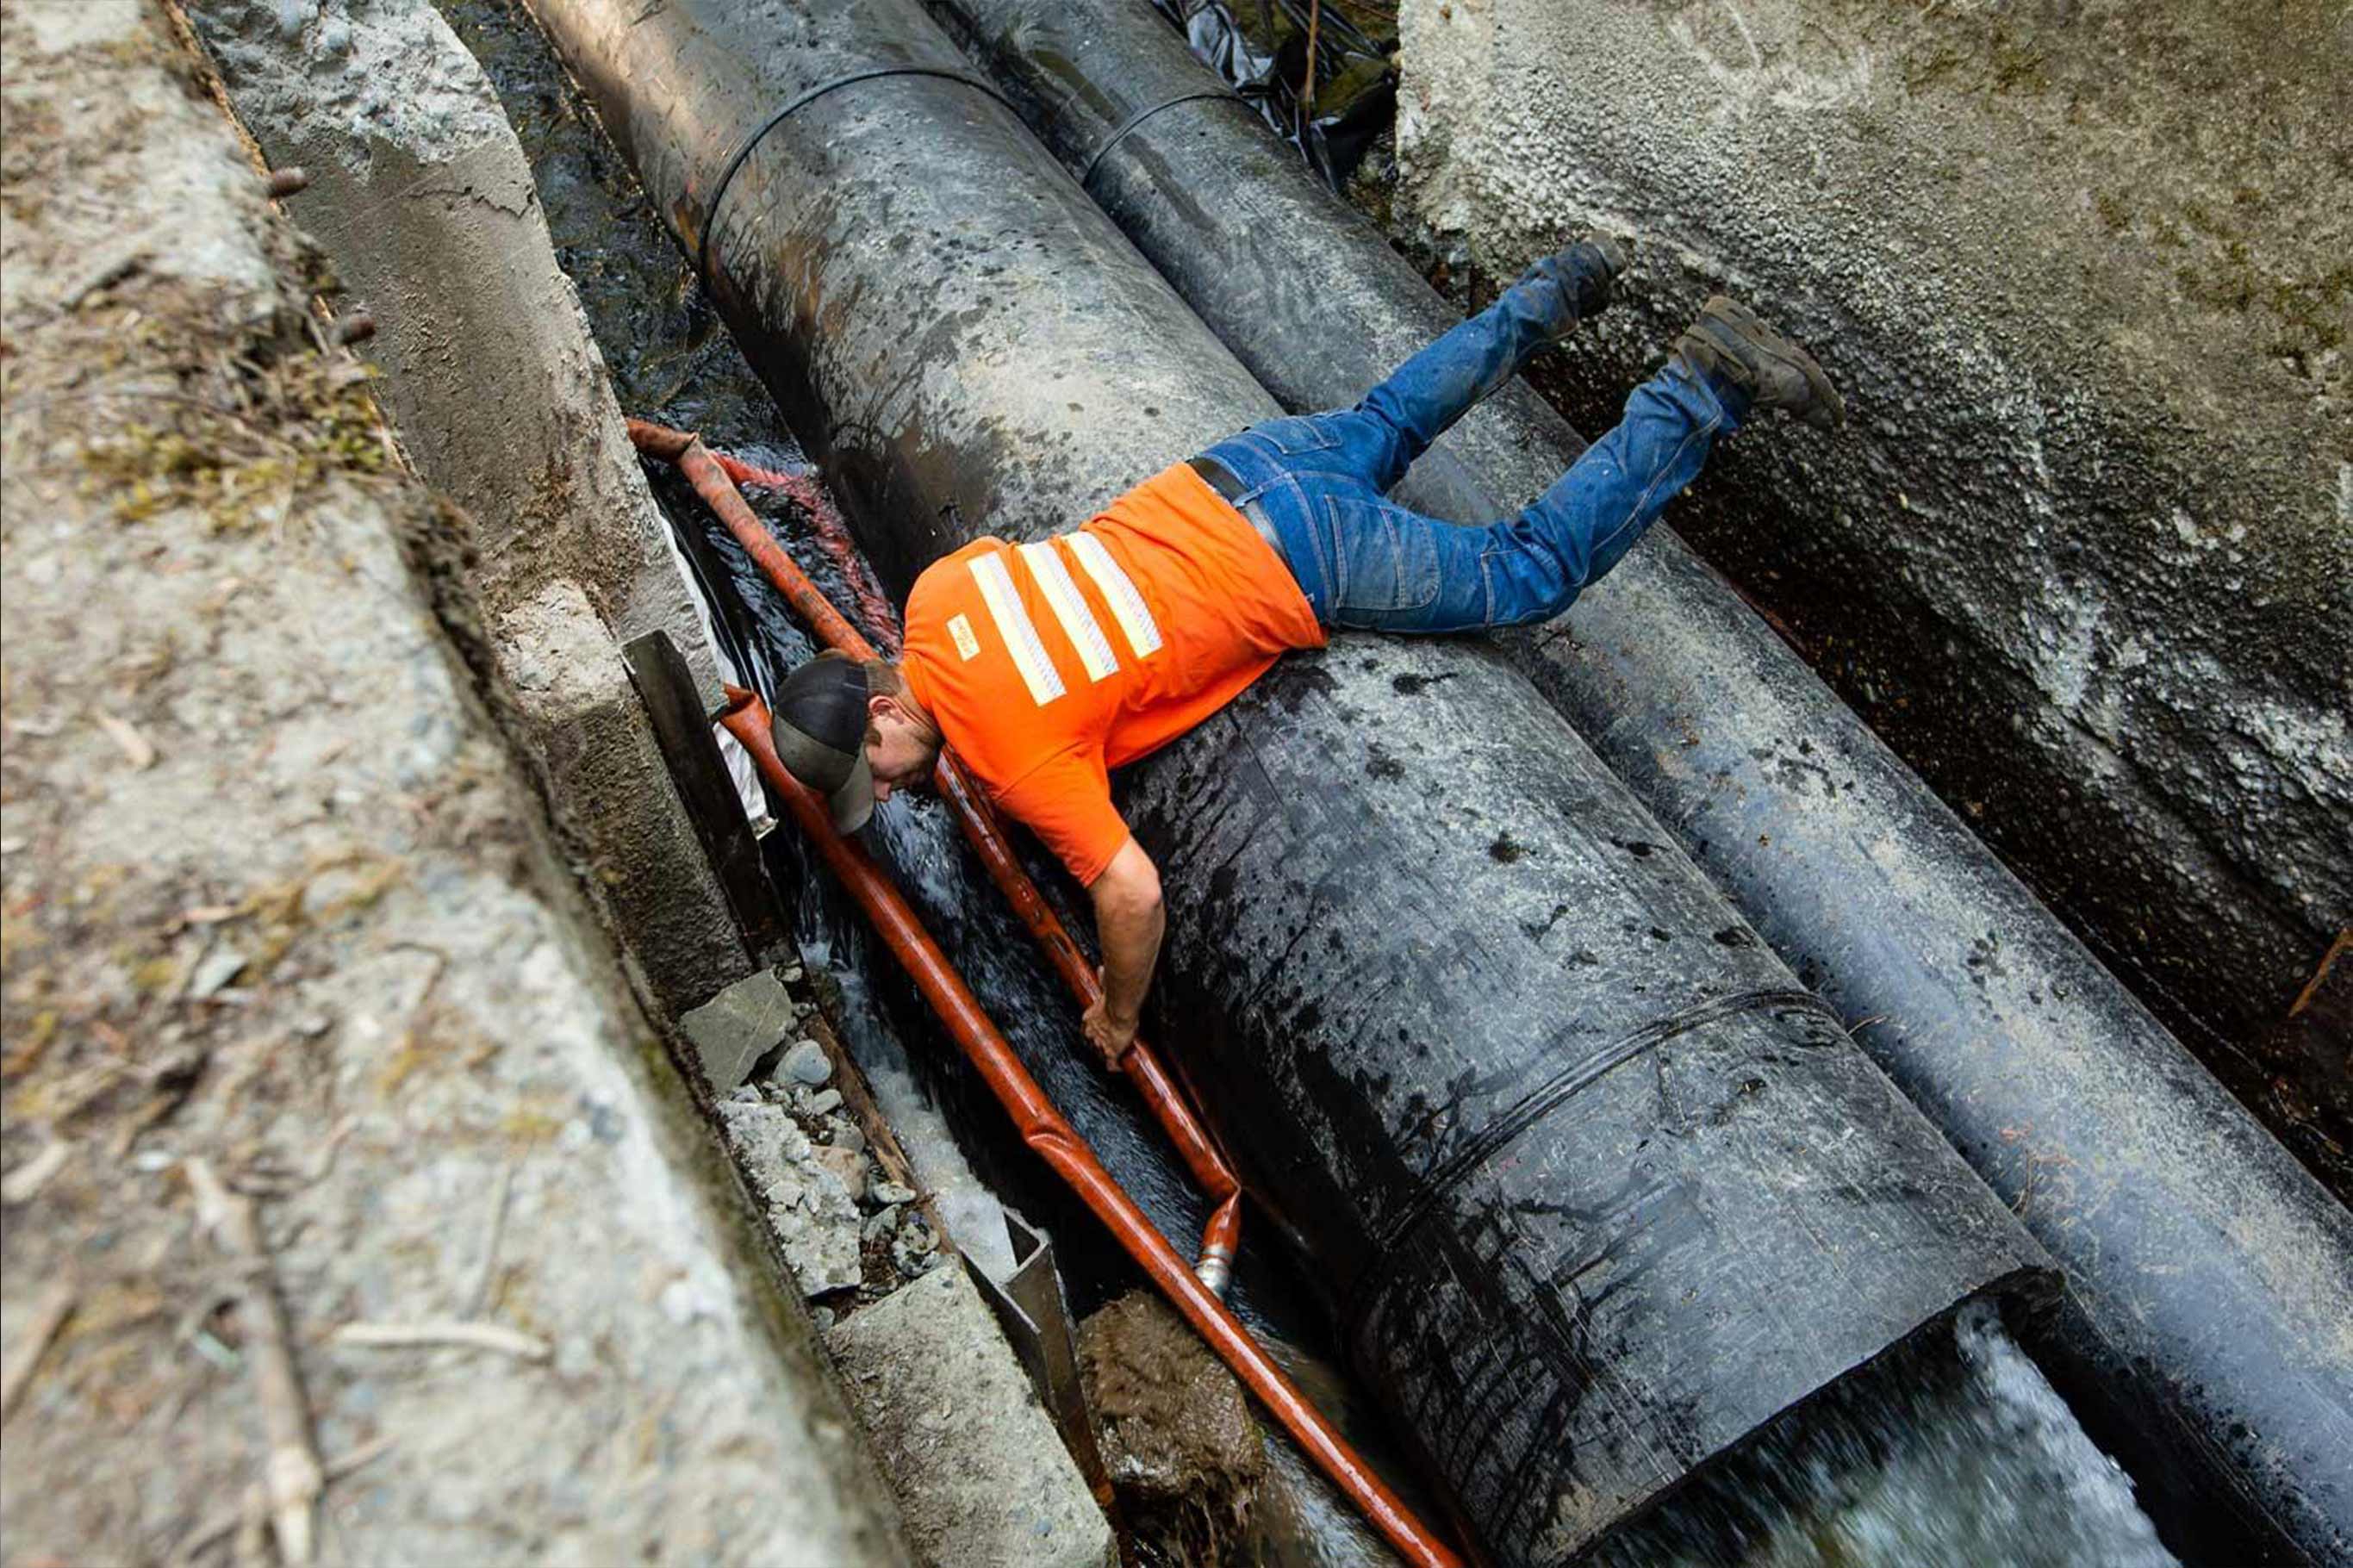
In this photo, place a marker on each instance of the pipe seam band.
(1541, 1101)
(801, 101)
(1086, 177)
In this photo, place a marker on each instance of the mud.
(1184, 1451)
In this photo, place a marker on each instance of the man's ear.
(883, 706)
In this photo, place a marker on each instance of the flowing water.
(1953, 1451)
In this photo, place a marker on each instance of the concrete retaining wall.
(423, 200)
(2079, 267)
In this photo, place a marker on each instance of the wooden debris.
(49, 1315)
(293, 1479)
(474, 1336)
(254, 1504)
(20, 1184)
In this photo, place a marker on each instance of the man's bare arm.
(1129, 920)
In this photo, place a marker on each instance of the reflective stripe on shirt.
(1127, 605)
(1077, 622)
(1037, 672)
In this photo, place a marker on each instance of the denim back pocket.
(1299, 434)
(1386, 565)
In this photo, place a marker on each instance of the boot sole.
(1829, 410)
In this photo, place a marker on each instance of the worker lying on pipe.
(1047, 664)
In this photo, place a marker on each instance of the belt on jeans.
(1221, 478)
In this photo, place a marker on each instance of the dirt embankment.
(280, 909)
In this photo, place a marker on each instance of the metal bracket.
(1030, 1309)
(674, 709)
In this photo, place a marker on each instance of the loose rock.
(1176, 1433)
(808, 1063)
(847, 1166)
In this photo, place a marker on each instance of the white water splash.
(1961, 1453)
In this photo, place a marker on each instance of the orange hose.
(1058, 1144)
(713, 476)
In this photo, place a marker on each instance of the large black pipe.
(2208, 1332)
(1599, 1187)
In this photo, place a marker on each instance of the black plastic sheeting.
(1597, 1186)
(1259, 48)
(2207, 1336)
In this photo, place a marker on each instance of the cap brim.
(853, 803)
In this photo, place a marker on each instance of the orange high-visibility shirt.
(1048, 665)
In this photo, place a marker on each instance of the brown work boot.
(1731, 340)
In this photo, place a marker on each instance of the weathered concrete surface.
(981, 1476)
(588, 736)
(2081, 270)
(291, 906)
(424, 202)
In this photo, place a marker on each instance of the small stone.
(682, 1303)
(888, 1191)
(792, 975)
(847, 1165)
(846, 1133)
(824, 1103)
(882, 1223)
(823, 1317)
(747, 1095)
(806, 1063)
(915, 1249)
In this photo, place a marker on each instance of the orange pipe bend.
(1060, 1145)
(714, 476)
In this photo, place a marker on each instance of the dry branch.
(294, 1479)
(254, 1504)
(472, 1336)
(49, 1315)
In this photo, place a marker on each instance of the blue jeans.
(1322, 479)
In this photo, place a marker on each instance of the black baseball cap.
(819, 723)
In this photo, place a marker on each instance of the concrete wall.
(2080, 269)
(421, 197)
